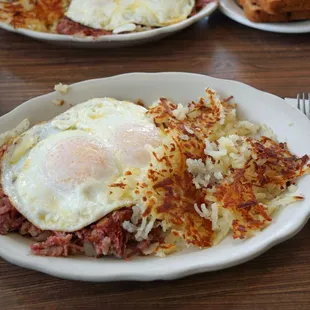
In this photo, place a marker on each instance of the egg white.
(122, 15)
(57, 174)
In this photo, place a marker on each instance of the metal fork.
(302, 104)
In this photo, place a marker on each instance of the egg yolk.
(133, 141)
(73, 161)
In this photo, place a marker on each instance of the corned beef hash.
(96, 17)
(111, 177)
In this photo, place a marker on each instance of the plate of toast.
(283, 16)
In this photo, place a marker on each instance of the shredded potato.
(221, 177)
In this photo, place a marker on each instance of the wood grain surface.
(276, 63)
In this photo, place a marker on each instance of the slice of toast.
(281, 6)
(254, 12)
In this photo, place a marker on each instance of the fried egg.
(58, 173)
(123, 15)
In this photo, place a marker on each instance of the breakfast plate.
(256, 106)
(110, 41)
(231, 9)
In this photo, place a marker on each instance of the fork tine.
(304, 104)
(308, 106)
(298, 101)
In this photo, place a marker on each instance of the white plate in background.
(118, 40)
(231, 9)
(254, 105)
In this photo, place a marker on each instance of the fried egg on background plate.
(124, 15)
(57, 174)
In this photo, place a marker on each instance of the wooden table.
(222, 48)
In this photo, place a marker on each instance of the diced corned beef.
(108, 235)
(202, 3)
(36, 233)
(146, 247)
(56, 246)
(10, 218)
(4, 209)
(122, 215)
(42, 236)
(103, 238)
(60, 234)
(69, 27)
(103, 247)
(143, 245)
(83, 233)
(28, 228)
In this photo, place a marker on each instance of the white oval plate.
(109, 41)
(231, 9)
(254, 105)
